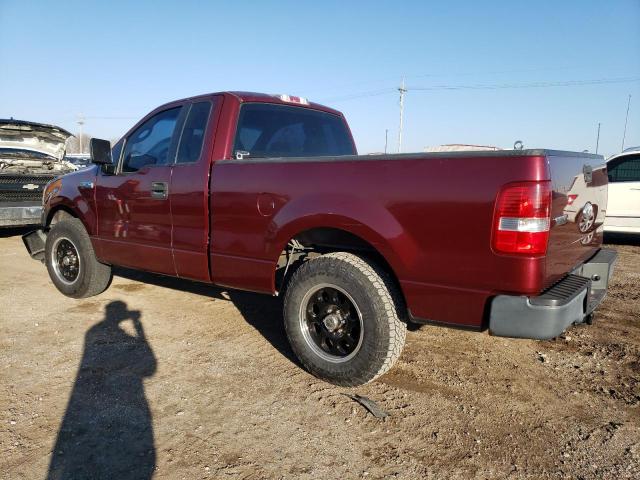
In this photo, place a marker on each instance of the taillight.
(571, 198)
(522, 218)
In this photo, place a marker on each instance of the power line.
(494, 72)
(403, 89)
(496, 86)
(353, 96)
(450, 74)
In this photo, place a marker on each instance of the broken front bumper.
(17, 215)
(568, 302)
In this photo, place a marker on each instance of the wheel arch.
(318, 240)
(58, 213)
(372, 222)
(60, 207)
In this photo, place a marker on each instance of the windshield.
(21, 153)
(268, 130)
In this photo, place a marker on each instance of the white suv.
(623, 210)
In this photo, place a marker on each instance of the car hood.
(36, 137)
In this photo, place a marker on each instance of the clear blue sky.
(122, 59)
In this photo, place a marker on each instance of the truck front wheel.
(343, 318)
(72, 263)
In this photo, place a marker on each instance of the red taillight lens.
(571, 199)
(522, 218)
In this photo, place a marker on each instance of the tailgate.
(579, 183)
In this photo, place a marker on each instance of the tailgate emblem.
(30, 186)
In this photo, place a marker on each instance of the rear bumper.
(16, 215)
(568, 302)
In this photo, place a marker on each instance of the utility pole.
(386, 139)
(80, 123)
(626, 119)
(402, 91)
(598, 138)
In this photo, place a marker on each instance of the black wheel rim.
(331, 323)
(65, 260)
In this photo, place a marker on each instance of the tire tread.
(97, 276)
(386, 293)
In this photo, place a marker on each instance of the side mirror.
(100, 151)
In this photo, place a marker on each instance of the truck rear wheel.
(72, 263)
(342, 316)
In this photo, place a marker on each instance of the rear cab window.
(271, 131)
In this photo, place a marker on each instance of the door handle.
(159, 190)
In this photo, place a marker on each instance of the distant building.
(460, 147)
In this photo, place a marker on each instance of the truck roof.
(243, 97)
(266, 98)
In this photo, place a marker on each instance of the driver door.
(133, 209)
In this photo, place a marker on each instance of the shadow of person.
(106, 431)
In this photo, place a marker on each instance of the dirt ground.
(172, 379)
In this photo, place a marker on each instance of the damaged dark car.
(31, 155)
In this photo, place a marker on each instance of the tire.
(342, 316)
(72, 263)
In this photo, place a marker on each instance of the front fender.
(72, 193)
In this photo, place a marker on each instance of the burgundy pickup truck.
(267, 193)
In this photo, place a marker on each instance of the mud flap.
(34, 242)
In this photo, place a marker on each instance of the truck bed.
(429, 215)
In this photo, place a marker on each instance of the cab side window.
(625, 169)
(149, 144)
(193, 132)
